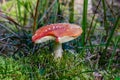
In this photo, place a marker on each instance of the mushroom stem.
(58, 50)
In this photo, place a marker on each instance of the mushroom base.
(58, 50)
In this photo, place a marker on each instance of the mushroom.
(60, 32)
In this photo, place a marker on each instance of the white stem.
(58, 50)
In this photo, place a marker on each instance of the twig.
(8, 29)
(35, 16)
(4, 46)
(9, 18)
(47, 11)
(87, 38)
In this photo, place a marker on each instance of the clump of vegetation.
(95, 54)
(43, 66)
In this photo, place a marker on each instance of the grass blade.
(71, 11)
(111, 34)
(113, 54)
(105, 18)
(19, 9)
(84, 21)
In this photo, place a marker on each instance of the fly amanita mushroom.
(60, 32)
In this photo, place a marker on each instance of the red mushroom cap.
(61, 32)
